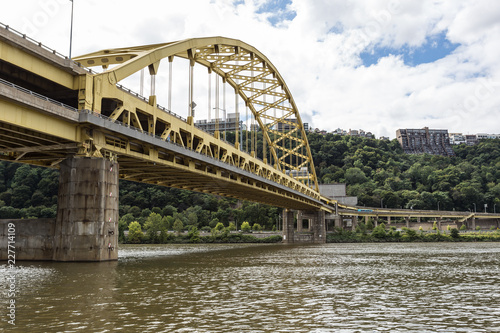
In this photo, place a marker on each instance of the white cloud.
(317, 52)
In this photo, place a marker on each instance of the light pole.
(71, 30)
(474, 207)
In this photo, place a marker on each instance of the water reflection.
(267, 288)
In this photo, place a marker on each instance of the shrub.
(135, 234)
(245, 227)
(256, 227)
(194, 235)
(379, 231)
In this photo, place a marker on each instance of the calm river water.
(265, 288)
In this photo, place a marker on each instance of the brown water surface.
(418, 287)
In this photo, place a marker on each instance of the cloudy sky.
(375, 65)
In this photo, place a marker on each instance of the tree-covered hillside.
(376, 171)
(380, 174)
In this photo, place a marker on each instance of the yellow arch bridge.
(76, 115)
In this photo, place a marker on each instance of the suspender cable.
(170, 60)
(247, 128)
(224, 112)
(252, 135)
(209, 95)
(191, 105)
(236, 121)
(141, 90)
(217, 104)
(264, 141)
(153, 83)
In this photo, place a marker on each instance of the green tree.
(245, 227)
(369, 224)
(178, 226)
(194, 234)
(256, 227)
(154, 226)
(135, 234)
(379, 231)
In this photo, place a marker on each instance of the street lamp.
(474, 207)
(71, 30)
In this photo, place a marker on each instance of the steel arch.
(247, 70)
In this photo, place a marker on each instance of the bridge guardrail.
(45, 47)
(37, 95)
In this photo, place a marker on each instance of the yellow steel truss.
(254, 78)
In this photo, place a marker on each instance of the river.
(415, 287)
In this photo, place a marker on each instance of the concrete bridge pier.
(86, 226)
(316, 231)
(288, 226)
(354, 222)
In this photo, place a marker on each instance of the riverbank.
(344, 236)
(172, 238)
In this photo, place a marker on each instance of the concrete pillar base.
(288, 226)
(87, 214)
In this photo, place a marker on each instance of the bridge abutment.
(87, 214)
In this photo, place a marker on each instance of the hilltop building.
(425, 141)
(230, 124)
(470, 139)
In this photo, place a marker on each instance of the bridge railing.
(45, 47)
(34, 94)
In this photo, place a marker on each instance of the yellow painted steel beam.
(26, 117)
(30, 62)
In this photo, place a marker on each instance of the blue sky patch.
(278, 10)
(436, 47)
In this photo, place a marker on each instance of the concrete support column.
(354, 222)
(366, 219)
(87, 212)
(439, 223)
(407, 219)
(473, 223)
(338, 222)
(318, 227)
(388, 220)
(299, 221)
(288, 226)
(418, 219)
(375, 221)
